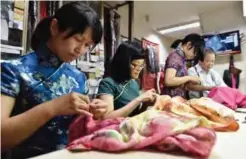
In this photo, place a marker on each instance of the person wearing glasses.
(121, 90)
(176, 74)
(209, 77)
(41, 93)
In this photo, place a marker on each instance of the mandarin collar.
(180, 52)
(47, 57)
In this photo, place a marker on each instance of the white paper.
(18, 24)
(94, 58)
(11, 19)
(4, 30)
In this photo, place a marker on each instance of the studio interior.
(123, 79)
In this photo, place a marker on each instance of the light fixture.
(180, 27)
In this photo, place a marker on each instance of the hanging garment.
(33, 12)
(108, 41)
(230, 78)
(117, 29)
(43, 9)
(33, 15)
(112, 21)
(148, 81)
(152, 60)
(233, 80)
(55, 7)
(49, 7)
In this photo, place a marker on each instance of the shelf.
(11, 49)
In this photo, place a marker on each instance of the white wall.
(228, 19)
(142, 29)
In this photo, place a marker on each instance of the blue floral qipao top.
(36, 78)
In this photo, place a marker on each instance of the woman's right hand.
(73, 103)
(148, 96)
(194, 80)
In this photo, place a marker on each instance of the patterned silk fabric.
(171, 124)
(152, 128)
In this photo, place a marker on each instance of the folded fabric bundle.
(230, 97)
(162, 130)
(214, 115)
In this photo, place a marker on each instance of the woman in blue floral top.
(40, 92)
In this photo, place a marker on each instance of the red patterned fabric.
(161, 130)
(43, 9)
(149, 81)
(230, 97)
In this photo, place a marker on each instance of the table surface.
(229, 145)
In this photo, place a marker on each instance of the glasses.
(91, 48)
(137, 66)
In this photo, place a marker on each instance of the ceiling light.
(178, 28)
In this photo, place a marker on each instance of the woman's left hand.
(148, 96)
(98, 108)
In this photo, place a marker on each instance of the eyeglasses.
(91, 48)
(137, 66)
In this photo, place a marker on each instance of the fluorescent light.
(182, 27)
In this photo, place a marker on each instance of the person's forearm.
(176, 81)
(125, 110)
(196, 87)
(158, 88)
(158, 84)
(18, 128)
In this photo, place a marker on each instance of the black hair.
(176, 43)
(206, 51)
(75, 16)
(197, 42)
(120, 65)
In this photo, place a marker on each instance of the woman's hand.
(194, 80)
(73, 103)
(209, 87)
(148, 96)
(98, 108)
